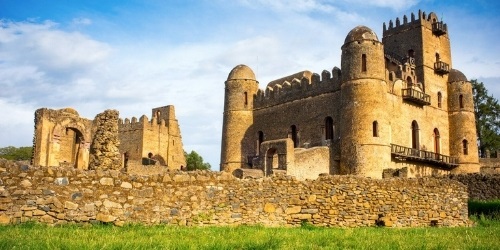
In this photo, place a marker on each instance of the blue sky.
(137, 55)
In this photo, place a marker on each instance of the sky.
(133, 55)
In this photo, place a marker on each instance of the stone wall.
(480, 186)
(58, 196)
(104, 152)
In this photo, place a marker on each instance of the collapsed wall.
(65, 195)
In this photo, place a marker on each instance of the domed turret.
(361, 33)
(241, 87)
(456, 76)
(365, 130)
(462, 122)
(241, 72)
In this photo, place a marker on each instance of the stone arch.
(70, 145)
(329, 133)
(437, 141)
(415, 144)
(276, 155)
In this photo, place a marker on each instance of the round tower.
(240, 89)
(365, 128)
(463, 135)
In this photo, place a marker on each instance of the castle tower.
(425, 39)
(240, 89)
(365, 128)
(463, 135)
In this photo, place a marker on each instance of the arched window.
(328, 128)
(375, 129)
(409, 81)
(438, 58)
(465, 146)
(461, 101)
(437, 141)
(411, 53)
(260, 139)
(414, 135)
(246, 98)
(363, 62)
(440, 99)
(294, 136)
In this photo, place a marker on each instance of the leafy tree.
(194, 161)
(487, 112)
(18, 154)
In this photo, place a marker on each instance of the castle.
(63, 138)
(394, 105)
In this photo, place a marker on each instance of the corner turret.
(240, 89)
(463, 135)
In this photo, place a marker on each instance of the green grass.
(484, 235)
(37, 236)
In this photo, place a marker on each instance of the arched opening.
(465, 146)
(438, 58)
(363, 62)
(375, 128)
(411, 53)
(440, 99)
(260, 139)
(294, 136)
(409, 81)
(70, 147)
(246, 98)
(461, 101)
(414, 135)
(272, 161)
(437, 141)
(329, 128)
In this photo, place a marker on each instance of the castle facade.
(394, 105)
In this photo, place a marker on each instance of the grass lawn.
(485, 235)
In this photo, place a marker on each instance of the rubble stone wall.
(63, 195)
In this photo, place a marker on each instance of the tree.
(194, 161)
(487, 112)
(18, 154)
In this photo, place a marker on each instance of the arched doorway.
(71, 145)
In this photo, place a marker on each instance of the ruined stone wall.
(104, 150)
(480, 186)
(59, 195)
(311, 162)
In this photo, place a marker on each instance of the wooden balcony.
(415, 96)
(411, 154)
(441, 68)
(439, 28)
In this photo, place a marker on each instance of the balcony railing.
(441, 68)
(439, 28)
(412, 154)
(416, 96)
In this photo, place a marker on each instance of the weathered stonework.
(104, 151)
(394, 104)
(63, 138)
(218, 198)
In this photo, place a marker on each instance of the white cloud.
(81, 21)
(396, 5)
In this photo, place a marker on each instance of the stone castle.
(63, 138)
(395, 106)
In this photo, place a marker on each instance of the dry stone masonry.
(68, 195)
(104, 152)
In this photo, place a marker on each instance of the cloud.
(81, 21)
(396, 5)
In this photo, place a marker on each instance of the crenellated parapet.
(430, 21)
(291, 89)
(143, 122)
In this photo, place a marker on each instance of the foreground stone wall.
(57, 196)
(480, 186)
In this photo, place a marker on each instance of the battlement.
(143, 123)
(430, 21)
(277, 92)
